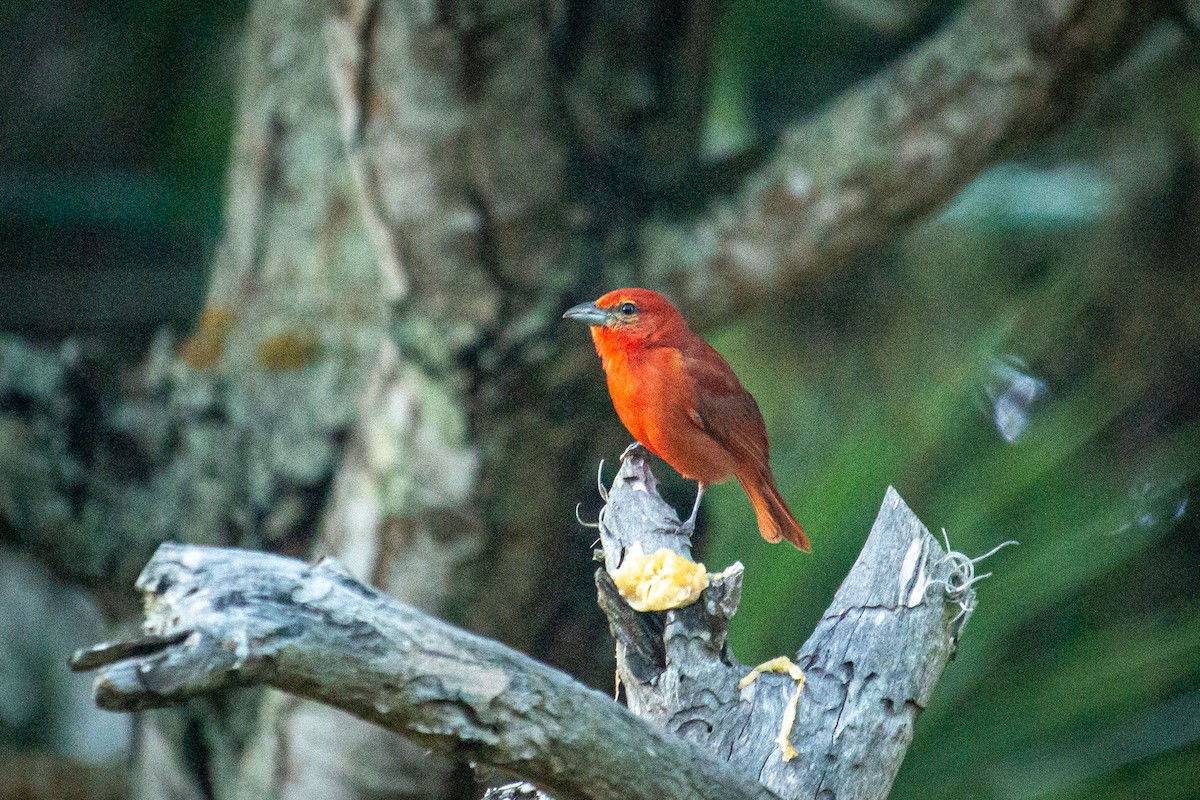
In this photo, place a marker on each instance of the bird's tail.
(775, 520)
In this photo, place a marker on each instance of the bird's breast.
(655, 399)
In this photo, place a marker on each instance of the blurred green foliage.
(1079, 674)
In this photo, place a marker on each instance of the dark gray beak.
(588, 313)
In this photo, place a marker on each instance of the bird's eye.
(627, 309)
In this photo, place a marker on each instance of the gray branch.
(871, 665)
(220, 617)
(217, 618)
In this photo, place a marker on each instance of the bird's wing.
(723, 409)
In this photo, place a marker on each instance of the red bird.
(681, 400)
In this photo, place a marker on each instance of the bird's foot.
(633, 448)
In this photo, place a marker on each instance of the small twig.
(100, 655)
(582, 521)
(600, 482)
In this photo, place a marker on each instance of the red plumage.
(681, 400)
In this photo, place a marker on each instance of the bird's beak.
(588, 313)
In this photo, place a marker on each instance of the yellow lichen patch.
(290, 350)
(659, 581)
(206, 345)
(784, 665)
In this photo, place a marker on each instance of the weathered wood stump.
(218, 617)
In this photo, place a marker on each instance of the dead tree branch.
(223, 617)
(217, 618)
(871, 665)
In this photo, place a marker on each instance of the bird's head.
(629, 316)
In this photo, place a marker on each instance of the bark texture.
(218, 618)
(224, 617)
(870, 666)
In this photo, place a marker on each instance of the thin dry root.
(603, 496)
(784, 665)
(959, 587)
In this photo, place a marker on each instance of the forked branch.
(217, 618)
(871, 665)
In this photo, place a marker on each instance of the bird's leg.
(690, 524)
